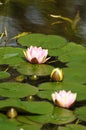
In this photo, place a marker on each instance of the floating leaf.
(11, 56)
(41, 107)
(59, 116)
(2, 117)
(8, 126)
(14, 89)
(80, 112)
(35, 69)
(25, 120)
(48, 88)
(17, 124)
(75, 75)
(4, 75)
(72, 127)
(69, 53)
(45, 41)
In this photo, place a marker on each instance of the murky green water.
(34, 16)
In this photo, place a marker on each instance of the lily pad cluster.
(32, 99)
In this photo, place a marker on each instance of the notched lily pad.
(35, 69)
(46, 89)
(45, 41)
(17, 90)
(35, 107)
(59, 116)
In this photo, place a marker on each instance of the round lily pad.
(19, 90)
(45, 41)
(50, 87)
(41, 107)
(59, 116)
(35, 69)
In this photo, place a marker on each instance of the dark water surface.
(34, 16)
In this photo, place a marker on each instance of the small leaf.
(80, 112)
(4, 75)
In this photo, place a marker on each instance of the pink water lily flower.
(64, 99)
(36, 55)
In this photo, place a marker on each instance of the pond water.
(35, 16)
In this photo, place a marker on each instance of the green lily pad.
(35, 69)
(31, 127)
(45, 41)
(80, 112)
(25, 120)
(59, 116)
(2, 117)
(69, 53)
(72, 127)
(48, 88)
(75, 75)
(11, 56)
(4, 75)
(14, 89)
(67, 50)
(41, 107)
(17, 124)
(8, 126)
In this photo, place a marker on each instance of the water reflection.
(34, 16)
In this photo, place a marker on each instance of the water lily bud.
(57, 74)
(30, 98)
(12, 113)
(63, 98)
(33, 77)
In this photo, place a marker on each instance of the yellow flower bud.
(57, 74)
(12, 113)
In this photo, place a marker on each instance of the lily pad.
(75, 75)
(35, 69)
(72, 127)
(16, 124)
(2, 117)
(69, 53)
(45, 41)
(46, 89)
(41, 107)
(19, 90)
(11, 56)
(59, 116)
(8, 126)
(4, 75)
(80, 112)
